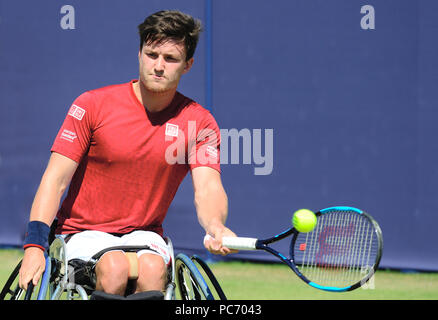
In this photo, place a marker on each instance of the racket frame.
(262, 244)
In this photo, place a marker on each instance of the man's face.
(162, 65)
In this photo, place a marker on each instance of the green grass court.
(258, 281)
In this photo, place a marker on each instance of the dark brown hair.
(171, 25)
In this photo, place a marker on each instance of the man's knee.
(113, 262)
(112, 272)
(152, 263)
(152, 272)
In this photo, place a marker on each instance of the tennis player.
(112, 153)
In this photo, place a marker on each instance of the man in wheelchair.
(122, 153)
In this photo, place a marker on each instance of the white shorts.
(84, 245)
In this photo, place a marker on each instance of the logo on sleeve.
(76, 112)
(212, 151)
(68, 135)
(171, 130)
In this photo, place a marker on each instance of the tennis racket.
(340, 254)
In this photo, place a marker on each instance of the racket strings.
(339, 252)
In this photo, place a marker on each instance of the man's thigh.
(151, 239)
(85, 244)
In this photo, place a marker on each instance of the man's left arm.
(211, 204)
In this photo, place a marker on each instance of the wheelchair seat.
(77, 276)
(76, 279)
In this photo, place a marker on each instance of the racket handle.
(239, 243)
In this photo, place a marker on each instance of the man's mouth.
(158, 77)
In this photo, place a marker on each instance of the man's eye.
(151, 55)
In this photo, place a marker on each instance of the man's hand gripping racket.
(341, 253)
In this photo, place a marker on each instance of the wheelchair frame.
(59, 277)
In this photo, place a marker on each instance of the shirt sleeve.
(73, 138)
(204, 151)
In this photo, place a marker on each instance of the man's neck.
(153, 101)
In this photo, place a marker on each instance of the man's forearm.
(212, 208)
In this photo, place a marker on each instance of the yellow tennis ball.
(304, 220)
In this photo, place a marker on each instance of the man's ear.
(188, 66)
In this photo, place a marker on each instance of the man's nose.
(159, 65)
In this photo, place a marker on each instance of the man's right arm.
(54, 182)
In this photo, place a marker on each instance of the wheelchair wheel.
(190, 282)
(219, 292)
(12, 291)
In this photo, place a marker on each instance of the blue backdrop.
(352, 111)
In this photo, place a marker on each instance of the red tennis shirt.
(131, 161)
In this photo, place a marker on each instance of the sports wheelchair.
(75, 279)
